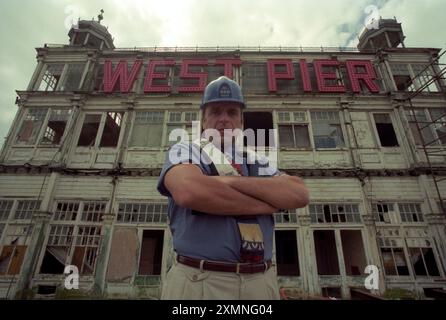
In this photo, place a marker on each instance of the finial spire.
(100, 16)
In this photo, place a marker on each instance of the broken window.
(382, 212)
(394, 259)
(410, 212)
(334, 213)
(89, 130)
(151, 255)
(56, 126)
(31, 125)
(424, 77)
(73, 242)
(289, 217)
(353, 249)
(26, 209)
(255, 78)
(57, 249)
(182, 121)
(262, 124)
(93, 211)
(147, 129)
(418, 121)
(401, 76)
(423, 262)
(86, 246)
(112, 129)
(327, 131)
(326, 254)
(385, 129)
(287, 257)
(51, 77)
(107, 126)
(142, 213)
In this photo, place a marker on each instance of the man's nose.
(223, 117)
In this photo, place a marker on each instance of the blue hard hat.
(222, 89)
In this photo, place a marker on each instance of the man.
(222, 225)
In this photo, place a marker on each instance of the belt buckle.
(237, 268)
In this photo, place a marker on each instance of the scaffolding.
(431, 127)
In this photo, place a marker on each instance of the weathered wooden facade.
(79, 167)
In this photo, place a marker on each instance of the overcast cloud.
(27, 24)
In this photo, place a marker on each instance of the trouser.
(186, 283)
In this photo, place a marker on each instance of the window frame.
(294, 121)
(375, 128)
(100, 130)
(41, 133)
(63, 75)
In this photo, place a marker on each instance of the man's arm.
(190, 188)
(284, 191)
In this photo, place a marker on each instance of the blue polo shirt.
(206, 236)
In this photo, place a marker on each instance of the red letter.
(151, 75)
(228, 63)
(201, 76)
(368, 77)
(306, 81)
(321, 76)
(273, 75)
(125, 80)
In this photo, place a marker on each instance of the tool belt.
(224, 266)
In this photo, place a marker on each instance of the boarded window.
(327, 132)
(183, 122)
(385, 129)
(31, 125)
(11, 259)
(56, 126)
(287, 257)
(326, 254)
(147, 129)
(151, 252)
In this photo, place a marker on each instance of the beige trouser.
(186, 283)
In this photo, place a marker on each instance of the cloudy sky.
(27, 24)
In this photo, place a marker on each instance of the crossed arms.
(230, 195)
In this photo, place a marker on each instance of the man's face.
(222, 115)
